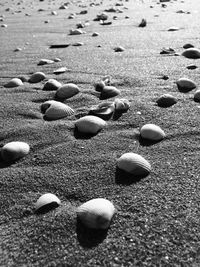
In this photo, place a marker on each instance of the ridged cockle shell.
(37, 77)
(134, 164)
(14, 150)
(152, 132)
(96, 213)
(67, 90)
(90, 124)
(15, 82)
(47, 200)
(54, 110)
(51, 85)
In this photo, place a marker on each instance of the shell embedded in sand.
(152, 132)
(197, 95)
(103, 110)
(186, 46)
(166, 100)
(14, 150)
(54, 110)
(47, 199)
(173, 29)
(143, 23)
(90, 124)
(121, 104)
(37, 77)
(119, 49)
(60, 70)
(192, 67)
(192, 52)
(51, 85)
(109, 91)
(44, 61)
(185, 84)
(76, 32)
(15, 82)
(134, 164)
(67, 90)
(96, 213)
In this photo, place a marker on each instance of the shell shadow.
(124, 178)
(117, 114)
(147, 142)
(105, 117)
(3, 163)
(46, 208)
(80, 135)
(89, 238)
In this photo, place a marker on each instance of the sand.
(157, 218)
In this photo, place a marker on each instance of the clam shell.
(152, 132)
(185, 84)
(119, 49)
(90, 124)
(15, 82)
(51, 85)
(96, 213)
(134, 164)
(67, 90)
(60, 70)
(37, 77)
(54, 110)
(47, 199)
(104, 110)
(197, 96)
(121, 104)
(108, 92)
(166, 100)
(186, 46)
(14, 150)
(191, 53)
(44, 61)
(76, 32)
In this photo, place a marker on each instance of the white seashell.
(60, 70)
(37, 77)
(90, 124)
(67, 90)
(14, 150)
(96, 213)
(76, 32)
(197, 96)
(15, 82)
(191, 53)
(54, 110)
(51, 85)
(45, 61)
(108, 92)
(134, 164)
(185, 84)
(47, 199)
(166, 100)
(57, 59)
(121, 104)
(152, 132)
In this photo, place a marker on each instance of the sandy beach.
(156, 220)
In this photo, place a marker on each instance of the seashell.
(17, 49)
(23, 78)
(67, 90)
(95, 34)
(57, 59)
(54, 13)
(99, 86)
(186, 46)
(78, 44)
(90, 124)
(191, 67)
(96, 213)
(192, 52)
(45, 61)
(121, 104)
(173, 29)
(197, 96)
(51, 85)
(47, 200)
(119, 49)
(166, 100)
(143, 23)
(37, 77)
(60, 70)
(14, 150)
(76, 32)
(152, 132)
(103, 110)
(185, 84)
(108, 92)
(15, 82)
(54, 110)
(101, 16)
(134, 164)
